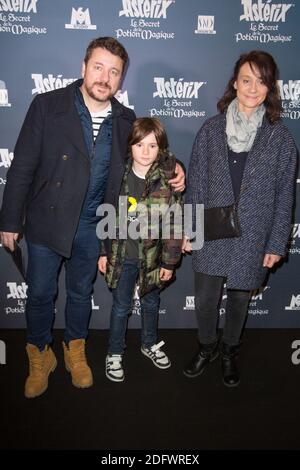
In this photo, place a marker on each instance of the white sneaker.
(158, 357)
(114, 370)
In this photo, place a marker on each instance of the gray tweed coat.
(265, 204)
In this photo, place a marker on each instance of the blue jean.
(121, 309)
(42, 278)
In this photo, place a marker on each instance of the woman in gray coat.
(244, 155)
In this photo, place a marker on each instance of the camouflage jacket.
(159, 241)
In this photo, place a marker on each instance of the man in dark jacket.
(69, 158)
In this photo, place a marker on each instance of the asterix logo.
(295, 233)
(294, 303)
(122, 97)
(49, 82)
(289, 90)
(4, 95)
(145, 8)
(176, 88)
(264, 11)
(5, 158)
(18, 6)
(290, 96)
(178, 96)
(264, 19)
(17, 291)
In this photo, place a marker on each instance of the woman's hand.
(165, 274)
(270, 260)
(186, 246)
(178, 183)
(102, 262)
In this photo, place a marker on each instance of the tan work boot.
(75, 361)
(41, 363)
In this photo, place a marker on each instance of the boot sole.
(46, 386)
(114, 379)
(201, 372)
(76, 384)
(231, 385)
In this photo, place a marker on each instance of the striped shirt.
(98, 118)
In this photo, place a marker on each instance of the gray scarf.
(240, 130)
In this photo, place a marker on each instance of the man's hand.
(178, 183)
(270, 260)
(186, 246)
(165, 274)
(8, 239)
(102, 263)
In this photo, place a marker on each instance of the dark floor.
(153, 408)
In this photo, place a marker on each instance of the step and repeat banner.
(182, 53)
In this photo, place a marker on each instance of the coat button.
(58, 184)
(65, 157)
(52, 208)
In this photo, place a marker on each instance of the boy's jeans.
(122, 305)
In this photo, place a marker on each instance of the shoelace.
(78, 356)
(155, 348)
(114, 362)
(36, 362)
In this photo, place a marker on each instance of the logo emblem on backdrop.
(262, 21)
(5, 158)
(177, 98)
(122, 97)
(49, 82)
(17, 291)
(144, 19)
(80, 19)
(295, 235)
(94, 306)
(13, 20)
(264, 11)
(4, 95)
(290, 96)
(189, 303)
(145, 8)
(257, 296)
(18, 294)
(205, 25)
(295, 303)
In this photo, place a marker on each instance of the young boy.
(150, 260)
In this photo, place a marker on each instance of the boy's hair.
(144, 126)
(111, 45)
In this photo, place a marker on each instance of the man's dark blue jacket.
(49, 176)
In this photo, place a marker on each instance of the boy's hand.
(165, 274)
(178, 183)
(102, 262)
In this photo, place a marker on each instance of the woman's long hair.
(268, 70)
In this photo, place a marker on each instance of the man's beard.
(94, 96)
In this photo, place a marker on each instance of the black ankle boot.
(206, 354)
(231, 376)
